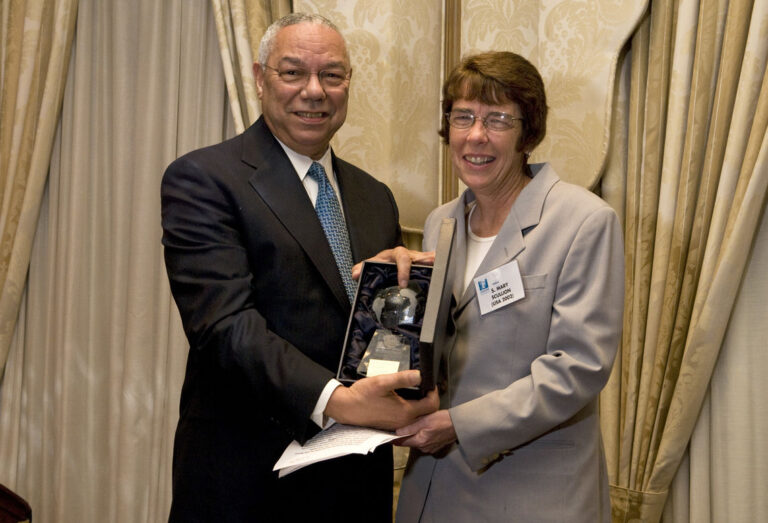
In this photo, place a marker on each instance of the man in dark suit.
(264, 302)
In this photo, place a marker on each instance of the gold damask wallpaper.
(397, 46)
(575, 44)
(391, 127)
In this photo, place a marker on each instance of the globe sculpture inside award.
(389, 349)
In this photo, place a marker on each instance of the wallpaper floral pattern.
(391, 127)
(575, 44)
(397, 51)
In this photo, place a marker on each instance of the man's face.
(304, 115)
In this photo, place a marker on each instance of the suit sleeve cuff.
(317, 414)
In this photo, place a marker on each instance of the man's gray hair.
(267, 43)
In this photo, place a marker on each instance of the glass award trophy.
(392, 329)
(389, 350)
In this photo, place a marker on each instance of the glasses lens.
(461, 120)
(292, 76)
(498, 122)
(332, 77)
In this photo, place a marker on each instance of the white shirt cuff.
(322, 402)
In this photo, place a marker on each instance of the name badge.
(499, 287)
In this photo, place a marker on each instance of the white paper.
(336, 441)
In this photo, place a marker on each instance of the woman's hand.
(429, 433)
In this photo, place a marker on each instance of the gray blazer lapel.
(507, 245)
(510, 241)
(459, 253)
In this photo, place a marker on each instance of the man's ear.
(258, 76)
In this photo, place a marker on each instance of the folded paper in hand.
(333, 442)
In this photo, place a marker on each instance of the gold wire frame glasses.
(299, 77)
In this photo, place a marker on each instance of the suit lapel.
(353, 203)
(510, 242)
(459, 252)
(281, 190)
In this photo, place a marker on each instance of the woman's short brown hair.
(496, 78)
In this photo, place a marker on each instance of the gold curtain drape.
(90, 390)
(240, 25)
(90, 397)
(35, 44)
(697, 177)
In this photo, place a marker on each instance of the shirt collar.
(302, 163)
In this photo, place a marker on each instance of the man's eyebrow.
(291, 60)
(298, 62)
(341, 65)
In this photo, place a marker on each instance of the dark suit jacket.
(265, 312)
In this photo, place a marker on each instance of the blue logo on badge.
(482, 285)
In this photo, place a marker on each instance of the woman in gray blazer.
(539, 286)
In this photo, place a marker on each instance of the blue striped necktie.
(329, 212)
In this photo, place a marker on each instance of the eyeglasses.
(297, 77)
(492, 121)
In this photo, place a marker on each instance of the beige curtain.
(240, 25)
(89, 394)
(722, 478)
(697, 175)
(35, 40)
(89, 401)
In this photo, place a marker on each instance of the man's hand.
(430, 433)
(404, 258)
(372, 402)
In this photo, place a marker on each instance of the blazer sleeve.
(574, 366)
(212, 283)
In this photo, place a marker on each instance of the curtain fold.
(723, 258)
(696, 187)
(728, 460)
(88, 411)
(36, 42)
(91, 362)
(240, 25)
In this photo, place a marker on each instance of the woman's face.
(486, 160)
